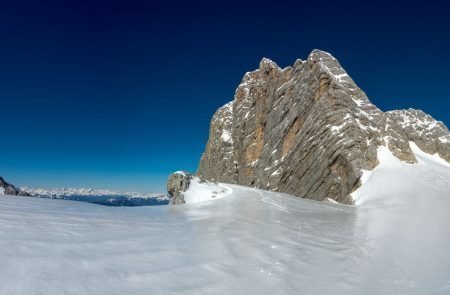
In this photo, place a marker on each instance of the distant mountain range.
(68, 192)
(101, 197)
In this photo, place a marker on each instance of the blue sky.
(118, 94)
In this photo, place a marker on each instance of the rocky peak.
(266, 66)
(297, 63)
(430, 135)
(309, 130)
(9, 189)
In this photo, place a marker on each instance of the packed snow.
(427, 159)
(199, 191)
(248, 241)
(394, 181)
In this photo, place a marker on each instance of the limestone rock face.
(430, 135)
(177, 184)
(309, 130)
(9, 189)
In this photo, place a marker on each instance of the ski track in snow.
(249, 242)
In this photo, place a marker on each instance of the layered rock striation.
(310, 131)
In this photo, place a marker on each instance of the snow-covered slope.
(205, 191)
(394, 181)
(249, 242)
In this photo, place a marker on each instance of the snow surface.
(205, 191)
(180, 172)
(425, 158)
(394, 181)
(247, 242)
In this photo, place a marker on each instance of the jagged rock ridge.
(9, 189)
(310, 131)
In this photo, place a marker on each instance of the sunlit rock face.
(309, 130)
(178, 183)
(430, 135)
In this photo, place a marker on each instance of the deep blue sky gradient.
(118, 94)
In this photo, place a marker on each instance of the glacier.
(248, 241)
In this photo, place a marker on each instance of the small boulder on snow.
(177, 184)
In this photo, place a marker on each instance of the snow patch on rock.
(226, 136)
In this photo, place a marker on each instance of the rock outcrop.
(177, 184)
(310, 131)
(9, 189)
(430, 135)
